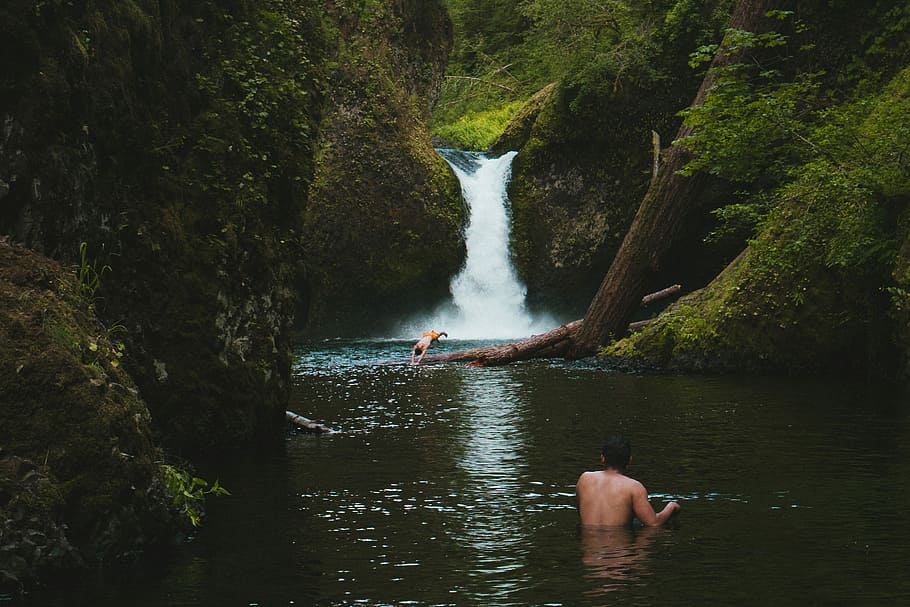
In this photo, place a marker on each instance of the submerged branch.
(307, 424)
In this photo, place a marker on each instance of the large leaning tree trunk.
(655, 227)
(658, 222)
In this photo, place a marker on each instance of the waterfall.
(488, 299)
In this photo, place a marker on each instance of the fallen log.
(307, 424)
(662, 294)
(501, 354)
(554, 343)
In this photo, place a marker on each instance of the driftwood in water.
(553, 343)
(306, 424)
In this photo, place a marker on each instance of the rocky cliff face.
(204, 164)
(221, 158)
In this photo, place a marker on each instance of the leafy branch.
(188, 492)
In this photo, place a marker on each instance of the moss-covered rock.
(180, 140)
(586, 155)
(578, 178)
(518, 131)
(79, 479)
(900, 297)
(383, 227)
(168, 138)
(750, 320)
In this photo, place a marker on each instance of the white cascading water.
(488, 300)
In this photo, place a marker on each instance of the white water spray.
(488, 300)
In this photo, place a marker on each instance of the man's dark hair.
(617, 452)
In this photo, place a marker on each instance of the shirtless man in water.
(421, 347)
(609, 498)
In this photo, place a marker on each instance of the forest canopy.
(505, 51)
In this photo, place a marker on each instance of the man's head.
(616, 453)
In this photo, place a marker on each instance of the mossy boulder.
(383, 227)
(749, 320)
(586, 156)
(79, 475)
(900, 295)
(518, 130)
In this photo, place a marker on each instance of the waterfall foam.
(488, 299)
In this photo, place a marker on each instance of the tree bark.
(657, 223)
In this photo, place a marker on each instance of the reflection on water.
(616, 556)
(491, 460)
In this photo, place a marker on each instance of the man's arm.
(645, 513)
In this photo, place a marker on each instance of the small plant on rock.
(89, 273)
(188, 492)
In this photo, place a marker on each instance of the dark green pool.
(454, 485)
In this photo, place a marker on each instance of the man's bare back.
(609, 498)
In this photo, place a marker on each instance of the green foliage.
(261, 82)
(614, 41)
(690, 24)
(188, 492)
(101, 351)
(492, 85)
(753, 121)
(89, 273)
(508, 50)
(862, 171)
(738, 221)
(746, 130)
(478, 130)
(788, 135)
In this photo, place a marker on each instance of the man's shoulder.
(591, 478)
(586, 476)
(634, 485)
